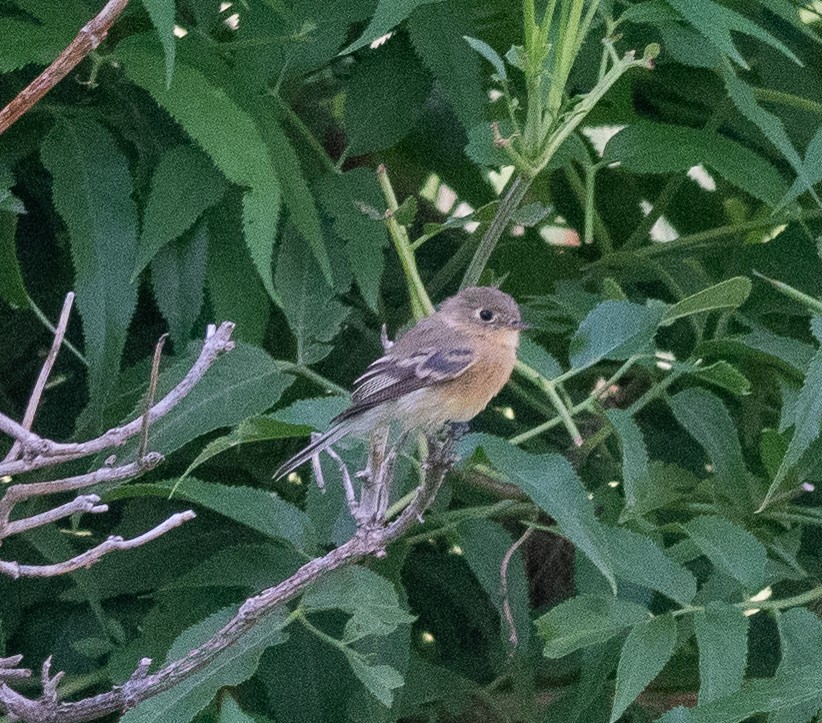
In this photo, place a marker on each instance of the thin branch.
(367, 541)
(40, 384)
(506, 600)
(80, 504)
(88, 39)
(39, 452)
(152, 391)
(92, 556)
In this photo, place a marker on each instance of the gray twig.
(152, 391)
(40, 384)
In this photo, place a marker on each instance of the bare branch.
(90, 36)
(40, 385)
(152, 391)
(39, 452)
(83, 503)
(369, 540)
(92, 556)
(10, 671)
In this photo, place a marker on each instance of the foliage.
(656, 213)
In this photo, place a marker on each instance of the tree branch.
(88, 39)
(369, 540)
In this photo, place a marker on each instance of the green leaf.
(385, 97)
(614, 330)
(178, 277)
(230, 712)
(224, 131)
(369, 598)
(551, 482)
(243, 382)
(437, 31)
(812, 167)
(407, 211)
(744, 99)
(161, 13)
(586, 620)
(12, 288)
(387, 14)
(379, 680)
(647, 649)
(733, 550)
(185, 183)
(638, 559)
(234, 288)
(728, 294)
(722, 637)
(262, 511)
(234, 665)
(92, 192)
(716, 23)
(253, 429)
(647, 147)
(538, 359)
(726, 376)
(310, 305)
(341, 196)
(706, 419)
(807, 417)
(800, 637)
(487, 52)
(634, 452)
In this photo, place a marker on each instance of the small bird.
(446, 368)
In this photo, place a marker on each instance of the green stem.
(795, 101)
(311, 375)
(307, 135)
(549, 387)
(510, 203)
(44, 320)
(788, 602)
(421, 305)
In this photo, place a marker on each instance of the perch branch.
(370, 540)
(38, 452)
(88, 39)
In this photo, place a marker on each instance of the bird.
(446, 368)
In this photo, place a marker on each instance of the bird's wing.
(391, 377)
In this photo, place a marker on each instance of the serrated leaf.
(586, 620)
(12, 288)
(481, 148)
(634, 452)
(161, 13)
(177, 278)
(733, 550)
(185, 183)
(487, 52)
(234, 665)
(800, 638)
(436, 32)
(369, 598)
(531, 214)
(387, 14)
(225, 132)
(551, 482)
(716, 23)
(406, 212)
(639, 560)
(385, 97)
(812, 167)
(614, 330)
(706, 418)
(341, 196)
(647, 649)
(807, 416)
(234, 288)
(92, 192)
(313, 312)
(262, 511)
(728, 294)
(647, 147)
(722, 637)
(243, 382)
(379, 680)
(726, 376)
(253, 429)
(538, 359)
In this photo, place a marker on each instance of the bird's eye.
(486, 314)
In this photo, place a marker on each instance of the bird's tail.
(318, 445)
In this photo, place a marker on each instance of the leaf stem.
(421, 305)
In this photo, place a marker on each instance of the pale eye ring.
(486, 314)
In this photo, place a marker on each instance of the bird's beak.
(521, 325)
